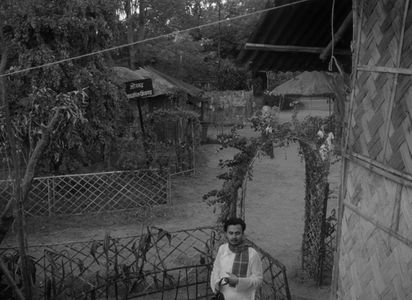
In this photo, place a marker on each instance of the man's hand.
(232, 279)
(221, 283)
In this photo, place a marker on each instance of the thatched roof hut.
(374, 258)
(314, 90)
(168, 92)
(310, 84)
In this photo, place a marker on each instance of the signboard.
(139, 88)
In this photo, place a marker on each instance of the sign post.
(136, 89)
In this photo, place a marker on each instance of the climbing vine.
(313, 133)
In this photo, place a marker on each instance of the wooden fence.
(176, 262)
(93, 193)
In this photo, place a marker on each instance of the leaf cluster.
(41, 32)
(72, 277)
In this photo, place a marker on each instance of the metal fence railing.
(162, 266)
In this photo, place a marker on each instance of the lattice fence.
(180, 266)
(93, 193)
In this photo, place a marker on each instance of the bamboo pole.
(379, 225)
(381, 69)
(292, 48)
(338, 36)
(380, 169)
(357, 27)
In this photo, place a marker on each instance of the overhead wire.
(152, 38)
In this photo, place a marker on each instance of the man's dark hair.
(234, 221)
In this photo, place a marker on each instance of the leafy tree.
(194, 55)
(41, 32)
(42, 106)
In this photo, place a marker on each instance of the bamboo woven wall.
(375, 220)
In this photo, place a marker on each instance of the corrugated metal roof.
(304, 24)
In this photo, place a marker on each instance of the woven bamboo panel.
(399, 150)
(381, 32)
(373, 194)
(93, 193)
(379, 45)
(373, 264)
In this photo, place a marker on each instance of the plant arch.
(314, 137)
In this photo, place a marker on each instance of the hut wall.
(374, 259)
(316, 103)
(229, 107)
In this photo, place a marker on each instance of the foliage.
(72, 278)
(231, 77)
(192, 56)
(41, 32)
(12, 263)
(177, 144)
(239, 168)
(272, 133)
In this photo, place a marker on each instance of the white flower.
(321, 134)
(323, 151)
(269, 129)
(329, 140)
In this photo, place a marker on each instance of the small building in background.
(310, 91)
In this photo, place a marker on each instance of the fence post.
(169, 188)
(193, 148)
(53, 195)
(49, 195)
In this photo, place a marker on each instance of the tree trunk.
(141, 29)
(6, 220)
(233, 204)
(15, 201)
(130, 29)
(30, 169)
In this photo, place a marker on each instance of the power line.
(151, 39)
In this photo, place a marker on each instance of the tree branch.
(30, 169)
(9, 278)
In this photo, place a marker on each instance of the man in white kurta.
(242, 287)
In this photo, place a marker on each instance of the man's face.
(234, 234)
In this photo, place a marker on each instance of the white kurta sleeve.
(215, 276)
(256, 274)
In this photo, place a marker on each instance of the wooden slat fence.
(93, 193)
